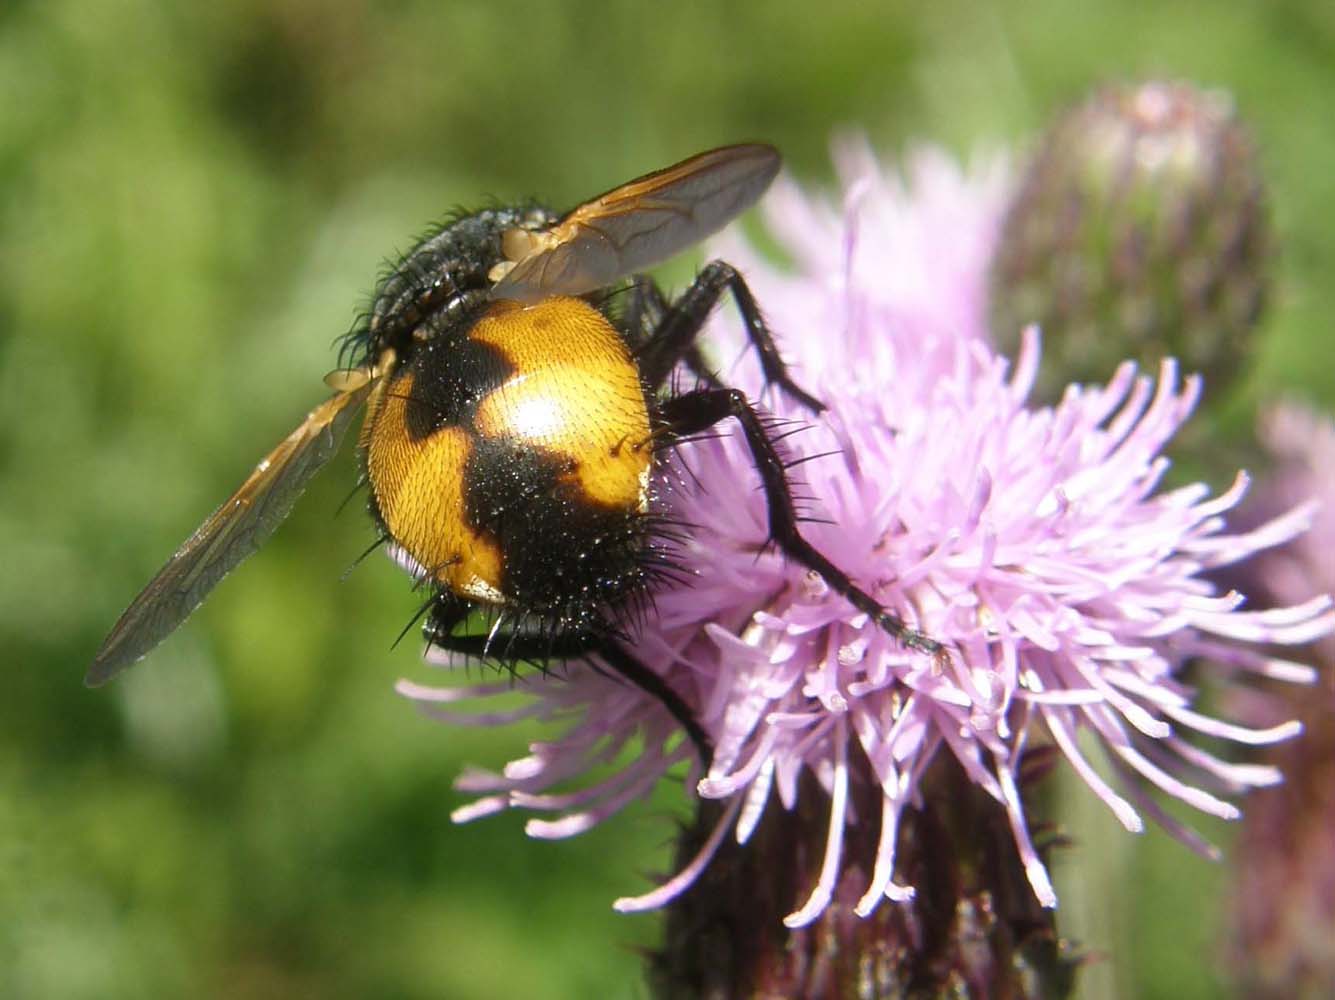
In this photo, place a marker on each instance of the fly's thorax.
(434, 286)
(513, 463)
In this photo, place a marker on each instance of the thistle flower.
(1301, 447)
(1284, 897)
(1039, 544)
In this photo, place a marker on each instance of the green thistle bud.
(1139, 230)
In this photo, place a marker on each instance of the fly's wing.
(641, 223)
(232, 532)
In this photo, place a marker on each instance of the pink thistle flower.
(1039, 544)
(1301, 444)
(1284, 897)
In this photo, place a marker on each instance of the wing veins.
(642, 223)
(237, 528)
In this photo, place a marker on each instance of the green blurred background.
(193, 203)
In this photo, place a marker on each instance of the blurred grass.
(193, 203)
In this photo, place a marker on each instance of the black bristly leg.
(694, 412)
(448, 612)
(645, 309)
(644, 315)
(510, 647)
(673, 339)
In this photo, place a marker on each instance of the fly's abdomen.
(575, 395)
(514, 467)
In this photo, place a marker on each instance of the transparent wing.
(642, 223)
(232, 532)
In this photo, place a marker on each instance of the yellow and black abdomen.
(513, 463)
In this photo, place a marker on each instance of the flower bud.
(1139, 230)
